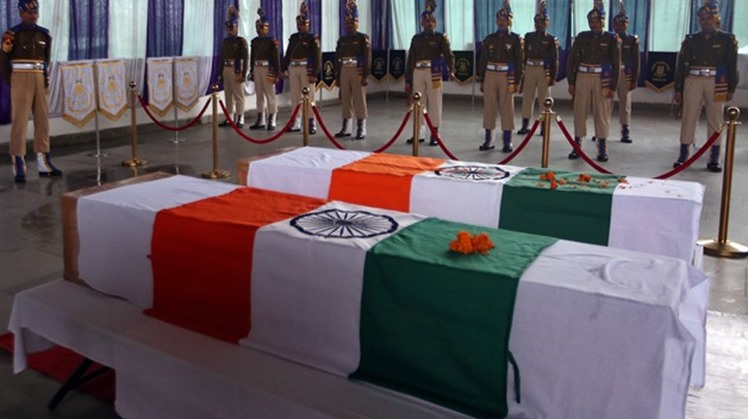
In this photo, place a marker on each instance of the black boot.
(271, 122)
(524, 130)
(46, 168)
(684, 154)
(345, 131)
(239, 121)
(506, 142)
(487, 142)
(542, 129)
(602, 150)
(713, 165)
(296, 127)
(361, 129)
(625, 137)
(258, 124)
(574, 155)
(433, 142)
(312, 126)
(19, 169)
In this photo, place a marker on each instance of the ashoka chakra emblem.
(341, 224)
(473, 172)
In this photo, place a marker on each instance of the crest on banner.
(160, 85)
(79, 102)
(112, 88)
(185, 83)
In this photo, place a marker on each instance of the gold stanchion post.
(548, 103)
(305, 114)
(135, 161)
(721, 246)
(216, 173)
(416, 121)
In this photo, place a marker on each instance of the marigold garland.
(468, 244)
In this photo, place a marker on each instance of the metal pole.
(96, 117)
(416, 121)
(548, 103)
(721, 246)
(134, 161)
(216, 173)
(305, 114)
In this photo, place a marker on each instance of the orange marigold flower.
(542, 176)
(585, 177)
(550, 176)
(554, 185)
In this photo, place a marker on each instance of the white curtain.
(128, 25)
(740, 14)
(403, 19)
(458, 25)
(579, 15)
(364, 17)
(247, 18)
(55, 16)
(672, 17)
(290, 11)
(331, 24)
(524, 12)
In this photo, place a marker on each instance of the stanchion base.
(177, 140)
(727, 249)
(135, 162)
(98, 155)
(216, 174)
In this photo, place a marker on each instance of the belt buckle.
(705, 72)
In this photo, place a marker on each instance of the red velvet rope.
(324, 129)
(523, 144)
(700, 152)
(166, 127)
(252, 140)
(579, 150)
(397, 134)
(435, 135)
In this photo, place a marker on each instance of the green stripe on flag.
(436, 324)
(575, 210)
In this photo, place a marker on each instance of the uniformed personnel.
(706, 72)
(592, 68)
(301, 64)
(429, 53)
(235, 58)
(629, 76)
(352, 68)
(541, 66)
(24, 63)
(499, 73)
(264, 64)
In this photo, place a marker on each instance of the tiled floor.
(31, 237)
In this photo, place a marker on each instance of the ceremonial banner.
(112, 86)
(78, 90)
(160, 85)
(660, 70)
(464, 66)
(379, 64)
(185, 83)
(327, 74)
(397, 63)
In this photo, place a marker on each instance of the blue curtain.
(726, 12)
(165, 21)
(89, 29)
(421, 6)
(560, 11)
(9, 17)
(341, 16)
(485, 18)
(315, 16)
(379, 22)
(219, 32)
(638, 13)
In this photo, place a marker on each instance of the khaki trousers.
(431, 96)
(535, 82)
(264, 89)
(497, 99)
(297, 79)
(233, 91)
(698, 91)
(589, 95)
(624, 99)
(352, 93)
(28, 94)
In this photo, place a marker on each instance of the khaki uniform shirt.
(304, 47)
(592, 48)
(356, 46)
(720, 50)
(235, 48)
(428, 46)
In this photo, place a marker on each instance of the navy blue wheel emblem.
(472, 172)
(341, 224)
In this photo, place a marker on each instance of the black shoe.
(573, 155)
(714, 167)
(602, 158)
(433, 142)
(542, 134)
(360, 136)
(627, 140)
(507, 148)
(342, 134)
(20, 178)
(294, 130)
(53, 173)
(271, 127)
(224, 124)
(523, 131)
(594, 139)
(312, 130)
(677, 164)
(486, 146)
(410, 140)
(258, 126)
(240, 124)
